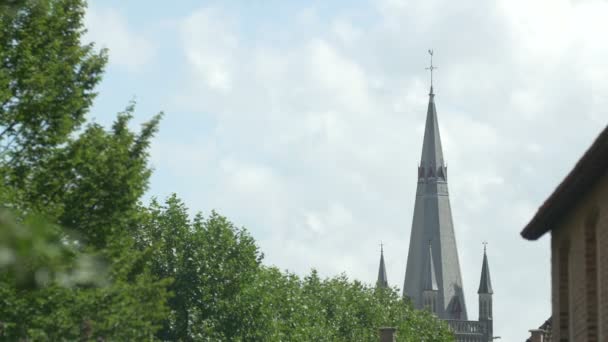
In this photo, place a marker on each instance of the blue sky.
(303, 120)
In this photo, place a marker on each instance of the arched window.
(490, 309)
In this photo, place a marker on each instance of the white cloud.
(315, 139)
(210, 47)
(345, 31)
(109, 28)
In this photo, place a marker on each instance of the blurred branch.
(35, 254)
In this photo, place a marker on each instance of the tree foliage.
(209, 260)
(69, 193)
(223, 292)
(47, 79)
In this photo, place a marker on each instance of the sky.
(303, 120)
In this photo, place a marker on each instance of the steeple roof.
(430, 280)
(382, 280)
(485, 284)
(432, 153)
(432, 221)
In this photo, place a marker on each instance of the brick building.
(576, 214)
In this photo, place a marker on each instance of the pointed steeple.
(430, 281)
(485, 294)
(432, 221)
(430, 290)
(382, 281)
(431, 160)
(485, 284)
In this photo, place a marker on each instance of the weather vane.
(431, 68)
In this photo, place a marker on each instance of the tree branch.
(8, 128)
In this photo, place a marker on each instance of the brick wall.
(579, 249)
(602, 236)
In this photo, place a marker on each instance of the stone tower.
(432, 235)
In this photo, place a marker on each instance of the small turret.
(382, 281)
(430, 290)
(485, 293)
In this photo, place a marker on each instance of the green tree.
(101, 175)
(287, 308)
(209, 260)
(47, 80)
(68, 191)
(92, 186)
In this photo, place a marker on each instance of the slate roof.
(588, 170)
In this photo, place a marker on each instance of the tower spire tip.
(431, 68)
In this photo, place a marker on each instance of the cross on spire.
(431, 68)
(485, 245)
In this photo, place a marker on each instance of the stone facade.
(577, 216)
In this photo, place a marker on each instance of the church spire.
(485, 284)
(431, 160)
(430, 290)
(432, 153)
(432, 221)
(382, 281)
(485, 294)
